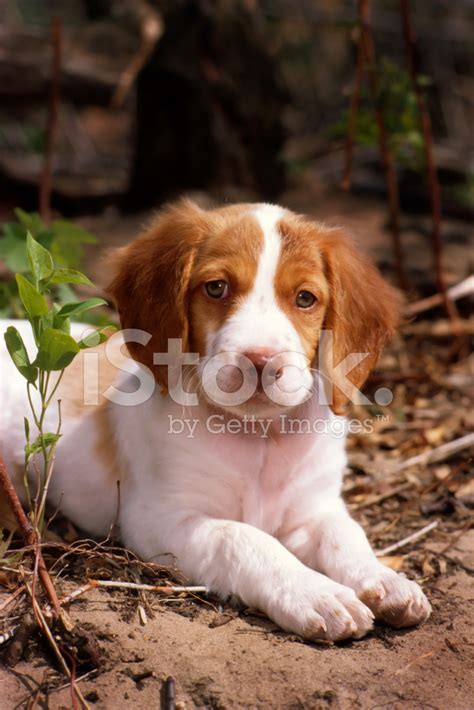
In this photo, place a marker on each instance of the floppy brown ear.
(363, 312)
(150, 285)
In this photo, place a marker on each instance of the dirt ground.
(230, 657)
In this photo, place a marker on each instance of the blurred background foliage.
(235, 94)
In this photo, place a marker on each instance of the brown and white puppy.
(250, 328)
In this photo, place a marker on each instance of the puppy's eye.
(305, 299)
(217, 289)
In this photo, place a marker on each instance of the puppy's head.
(250, 288)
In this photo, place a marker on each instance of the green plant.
(55, 349)
(400, 110)
(65, 241)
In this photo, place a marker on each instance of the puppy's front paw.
(393, 598)
(315, 607)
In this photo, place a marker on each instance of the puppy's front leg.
(235, 558)
(336, 545)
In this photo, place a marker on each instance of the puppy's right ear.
(151, 281)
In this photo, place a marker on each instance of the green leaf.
(12, 247)
(70, 230)
(67, 248)
(19, 355)
(39, 258)
(69, 276)
(93, 339)
(31, 220)
(33, 301)
(47, 440)
(26, 424)
(75, 309)
(56, 350)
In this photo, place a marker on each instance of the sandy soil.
(221, 662)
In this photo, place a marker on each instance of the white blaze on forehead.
(267, 217)
(259, 322)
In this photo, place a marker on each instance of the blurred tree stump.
(205, 111)
(209, 104)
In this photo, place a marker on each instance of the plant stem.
(432, 173)
(384, 143)
(29, 534)
(53, 110)
(353, 110)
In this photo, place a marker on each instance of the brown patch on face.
(354, 302)
(159, 276)
(301, 268)
(230, 252)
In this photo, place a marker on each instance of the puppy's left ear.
(363, 312)
(151, 281)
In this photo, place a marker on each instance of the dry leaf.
(142, 615)
(393, 561)
(466, 491)
(435, 436)
(427, 567)
(442, 472)
(443, 566)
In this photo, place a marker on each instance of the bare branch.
(384, 145)
(53, 112)
(432, 173)
(29, 535)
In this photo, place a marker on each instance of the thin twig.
(169, 694)
(440, 453)
(75, 594)
(29, 535)
(47, 631)
(94, 583)
(383, 496)
(151, 30)
(53, 112)
(457, 537)
(432, 173)
(407, 540)
(353, 110)
(384, 144)
(461, 290)
(146, 587)
(11, 597)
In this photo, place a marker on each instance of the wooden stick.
(151, 31)
(169, 694)
(47, 631)
(53, 111)
(384, 145)
(95, 583)
(11, 597)
(353, 110)
(435, 455)
(442, 328)
(407, 540)
(460, 290)
(29, 535)
(383, 496)
(432, 173)
(145, 587)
